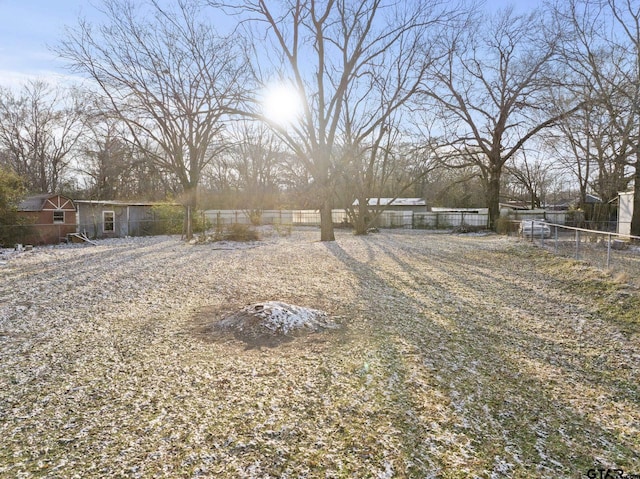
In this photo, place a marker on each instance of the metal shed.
(114, 219)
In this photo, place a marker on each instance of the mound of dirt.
(270, 323)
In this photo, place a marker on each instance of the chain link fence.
(48, 234)
(603, 249)
(34, 234)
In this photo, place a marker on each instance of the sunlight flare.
(282, 104)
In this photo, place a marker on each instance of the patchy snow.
(257, 321)
(282, 317)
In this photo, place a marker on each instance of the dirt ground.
(456, 357)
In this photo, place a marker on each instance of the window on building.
(108, 221)
(58, 216)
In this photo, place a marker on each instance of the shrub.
(240, 232)
(169, 219)
(12, 227)
(464, 228)
(283, 229)
(18, 232)
(504, 225)
(255, 216)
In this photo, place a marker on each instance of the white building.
(625, 210)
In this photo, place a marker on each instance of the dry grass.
(457, 357)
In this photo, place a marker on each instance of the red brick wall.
(42, 230)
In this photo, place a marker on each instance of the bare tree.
(454, 187)
(253, 170)
(529, 178)
(39, 129)
(389, 167)
(569, 143)
(374, 132)
(168, 75)
(111, 167)
(105, 159)
(591, 147)
(256, 157)
(338, 55)
(490, 92)
(606, 46)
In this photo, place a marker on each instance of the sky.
(29, 28)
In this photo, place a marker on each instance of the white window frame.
(57, 222)
(112, 221)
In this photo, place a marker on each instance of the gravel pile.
(456, 356)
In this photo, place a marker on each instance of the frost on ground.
(456, 356)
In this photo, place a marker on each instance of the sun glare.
(282, 104)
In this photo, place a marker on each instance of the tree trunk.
(188, 222)
(326, 222)
(635, 216)
(361, 219)
(493, 197)
(190, 210)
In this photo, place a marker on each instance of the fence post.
(577, 245)
(532, 235)
(608, 250)
(556, 238)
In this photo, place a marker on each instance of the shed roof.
(33, 203)
(394, 202)
(122, 203)
(39, 203)
(516, 205)
(589, 198)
